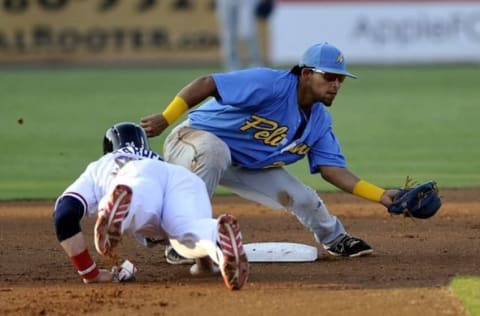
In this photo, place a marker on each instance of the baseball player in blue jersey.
(133, 192)
(259, 120)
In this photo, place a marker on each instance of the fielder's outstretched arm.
(345, 180)
(191, 95)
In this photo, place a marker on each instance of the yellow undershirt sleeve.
(368, 191)
(175, 109)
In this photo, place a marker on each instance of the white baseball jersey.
(168, 201)
(93, 183)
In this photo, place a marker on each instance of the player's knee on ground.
(67, 215)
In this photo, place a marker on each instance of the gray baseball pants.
(209, 157)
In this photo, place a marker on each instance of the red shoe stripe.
(117, 209)
(234, 267)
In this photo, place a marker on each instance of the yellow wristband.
(175, 109)
(368, 191)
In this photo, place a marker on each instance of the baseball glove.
(419, 201)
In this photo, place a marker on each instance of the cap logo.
(339, 59)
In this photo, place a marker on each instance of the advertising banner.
(108, 31)
(379, 32)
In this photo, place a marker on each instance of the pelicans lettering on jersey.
(261, 122)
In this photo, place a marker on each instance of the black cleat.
(348, 246)
(173, 257)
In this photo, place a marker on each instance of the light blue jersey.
(258, 117)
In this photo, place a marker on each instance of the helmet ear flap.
(107, 145)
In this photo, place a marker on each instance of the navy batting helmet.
(124, 134)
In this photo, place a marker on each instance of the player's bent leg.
(343, 244)
(232, 258)
(278, 189)
(107, 233)
(220, 240)
(202, 152)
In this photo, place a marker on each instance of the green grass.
(391, 122)
(468, 290)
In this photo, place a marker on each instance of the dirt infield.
(408, 274)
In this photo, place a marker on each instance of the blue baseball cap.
(325, 58)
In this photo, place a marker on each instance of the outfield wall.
(165, 31)
(379, 32)
(107, 31)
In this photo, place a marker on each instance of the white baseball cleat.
(109, 221)
(233, 261)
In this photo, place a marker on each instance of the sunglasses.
(328, 76)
